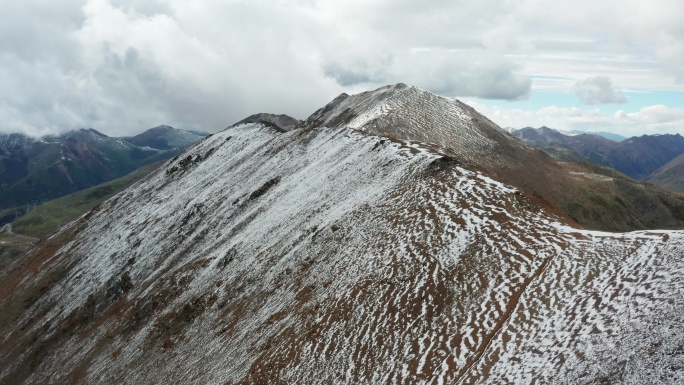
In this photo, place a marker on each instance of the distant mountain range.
(645, 158)
(607, 135)
(34, 170)
(165, 138)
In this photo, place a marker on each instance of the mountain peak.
(407, 113)
(280, 122)
(15, 140)
(83, 134)
(165, 138)
(162, 128)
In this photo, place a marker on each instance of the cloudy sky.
(122, 66)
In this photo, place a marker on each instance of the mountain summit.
(280, 122)
(332, 254)
(165, 138)
(408, 113)
(592, 196)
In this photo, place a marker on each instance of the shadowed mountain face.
(607, 135)
(636, 157)
(670, 175)
(542, 136)
(590, 146)
(36, 170)
(640, 156)
(335, 255)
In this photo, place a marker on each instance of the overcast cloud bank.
(122, 66)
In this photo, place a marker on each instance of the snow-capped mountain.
(409, 113)
(165, 138)
(343, 252)
(594, 197)
(279, 122)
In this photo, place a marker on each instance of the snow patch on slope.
(333, 256)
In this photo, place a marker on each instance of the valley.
(35, 170)
(42, 220)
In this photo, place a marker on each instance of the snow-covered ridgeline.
(332, 256)
(406, 112)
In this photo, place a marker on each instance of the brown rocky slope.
(333, 255)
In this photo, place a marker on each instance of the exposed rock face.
(332, 255)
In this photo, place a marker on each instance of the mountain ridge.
(165, 138)
(404, 112)
(592, 196)
(637, 157)
(281, 122)
(34, 170)
(670, 175)
(332, 255)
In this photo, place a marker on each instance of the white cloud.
(598, 90)
(123, 65)
(656, 119)
(438, 70)
(657, 115)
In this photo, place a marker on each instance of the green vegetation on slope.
(12, 245)
(48, 217)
